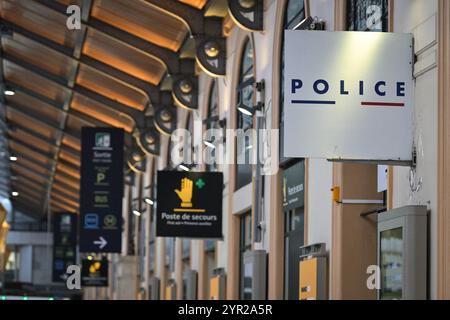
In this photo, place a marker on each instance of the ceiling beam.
(66, 197)
(65, 189)
(180, 70)
(21, 167)
(30, 192)
(73, 113)
(169, 58)
(31, 184)
(61, 206)
(27, 196)
(30, 147)
(16, 126)
(151, 91)
(32, 160)
(63, 199)
(192, 18)
(33, 179)
(115, 106)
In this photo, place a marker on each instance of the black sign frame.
(101, 190)
(189, 204)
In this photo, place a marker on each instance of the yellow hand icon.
(186, 193)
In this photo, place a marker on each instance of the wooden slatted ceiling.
(34, 107)
(97, 110)
(38, 19)
(21, 149)
(57, 206)
(142, 20)
(123, 57)
(30, 114)
(67, 181)
(65, 190)
(74, 173)
(69, 157)
(27, 138)
(34, 82)
(71, 142)
(111, 88)
(38, 55)
(31, 123)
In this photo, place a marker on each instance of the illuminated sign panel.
(348, 95)
(189, 204)
(94, 273)
(101, 190)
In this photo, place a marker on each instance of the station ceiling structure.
(125, 63)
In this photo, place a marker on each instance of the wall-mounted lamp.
(149, 201)
(165, 119)
(148, 138)
(209, 144)
(249, 110)
(185, 92)
(311, 23)
(211, 55)
(15, 194)
(137, 213)
(247, 14)
(13, 158)
(184, 167)
(136, 160)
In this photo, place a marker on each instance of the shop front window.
(367, 15)
(213, 113)
(295, 13)
(245, 246)
(245, 101)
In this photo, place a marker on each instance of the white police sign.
(348, 95)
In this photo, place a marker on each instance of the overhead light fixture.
(9, 92)
(13, 158)
(183, 167)
(212, 49)
(186, 86)
(136, 213)
(247, 4)
(15, 194)
(209, 144)
(148, 138)
(149, 201)
(246, 111)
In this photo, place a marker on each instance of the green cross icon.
(200, 183)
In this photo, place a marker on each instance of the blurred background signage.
(64, 244)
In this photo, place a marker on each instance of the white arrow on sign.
(101, 242)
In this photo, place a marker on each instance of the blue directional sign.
(101, 190)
